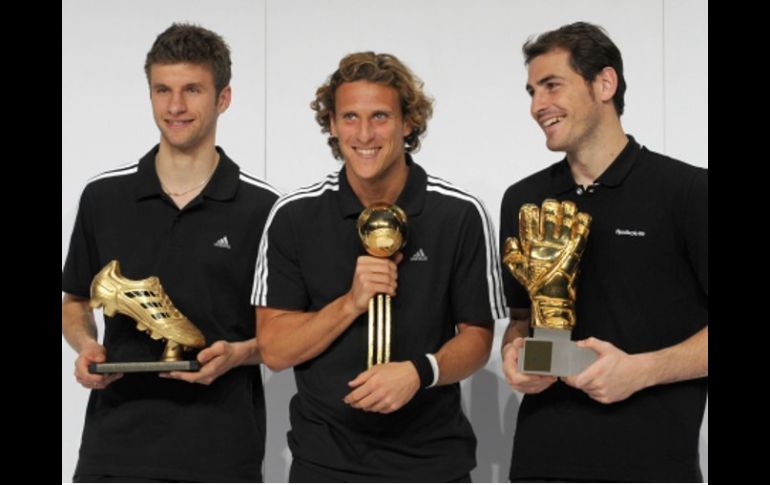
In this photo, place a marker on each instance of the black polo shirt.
(450, 274)
(142, 425)
(643, 286)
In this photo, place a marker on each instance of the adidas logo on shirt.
(222, 243)
(419, 256)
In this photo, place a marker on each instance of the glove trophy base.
(552, 353)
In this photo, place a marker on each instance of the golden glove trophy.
(146, 302)
(383, 232)
(544, 259)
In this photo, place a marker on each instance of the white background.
(481, 136)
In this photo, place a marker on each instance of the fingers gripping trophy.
(148, 304)
(544, 259)
(383, 232)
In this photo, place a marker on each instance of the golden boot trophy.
(544, 259)
(383, 232)
(146, 302)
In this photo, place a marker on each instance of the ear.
(407, 128)
(606, 84)
(332, 125)
(224, 99)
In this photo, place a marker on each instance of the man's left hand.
(613, 377)
(384, 388)
(217, 359)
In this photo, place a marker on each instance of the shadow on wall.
(494, 434)
(279, 389)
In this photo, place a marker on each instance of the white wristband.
(434, 366)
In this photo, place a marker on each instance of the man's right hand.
(373, 276)
(525, 383)
(93, 352)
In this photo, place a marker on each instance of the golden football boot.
(146, 302)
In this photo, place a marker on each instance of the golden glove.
(544, 259)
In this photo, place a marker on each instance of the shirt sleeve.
(278, 281)
(696, 223)
(82, 258)
(476, 290)
(515, 294)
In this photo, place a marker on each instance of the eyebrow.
(187, 85)
(542, 81)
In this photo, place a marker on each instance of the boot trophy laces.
(146, 302)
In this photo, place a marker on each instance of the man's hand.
(93, 352)
(373, 276)
(217, 359)
(525, 383)
(544, 258)
(384, 388)
(613, 377)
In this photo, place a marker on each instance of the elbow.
(271, 357)
(486, 355)
(274, 362)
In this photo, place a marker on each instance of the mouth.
(367, 152)
(174, 124)
(551, 122)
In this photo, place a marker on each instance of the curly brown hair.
(191, 43)
(384, 69)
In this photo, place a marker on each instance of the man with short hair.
(642, 306)
(189, 215)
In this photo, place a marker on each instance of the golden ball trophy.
(544, 259)
(383, 231)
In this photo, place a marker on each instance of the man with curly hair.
(400, 420)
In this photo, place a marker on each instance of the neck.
(183, 173)
(591, 159)
(384, 189)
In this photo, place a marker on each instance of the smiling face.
(370, 127)
(185, 105)
(565, 106)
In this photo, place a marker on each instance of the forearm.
(290, 338)
(464, 354)
(77, 322)
(248, 352)
(681, 362)
(518, 327)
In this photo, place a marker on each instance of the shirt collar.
(562, 180)
(222, 186)
(411, 199)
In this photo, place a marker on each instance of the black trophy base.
(553, 353)
(124, 367)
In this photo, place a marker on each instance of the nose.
(538, 104)
(365, 131)
(177, 104)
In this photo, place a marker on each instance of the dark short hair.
(192, 43)
(590, 49)
(384, 69)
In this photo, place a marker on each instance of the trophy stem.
(379, 316)
(387, 328)
(380, 326)
(172, 352)
(370, 356)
